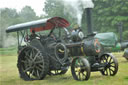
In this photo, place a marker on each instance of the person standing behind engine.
(33, 35)
(77, 34)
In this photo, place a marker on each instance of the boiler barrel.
(91, 47)
(87, 47)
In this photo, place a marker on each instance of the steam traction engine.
(52, 54)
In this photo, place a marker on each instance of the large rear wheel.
(32, 64)
(80, 69)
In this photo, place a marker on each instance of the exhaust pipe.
(89, 20)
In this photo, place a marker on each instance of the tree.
(27, 14)
(7, 18)
(125, 35)
(107, 13)
(10, 17)
(55, 8)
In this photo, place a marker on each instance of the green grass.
(8, 51)
(9, 75)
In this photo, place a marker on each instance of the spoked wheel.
(32, 64)
(58, 72)
(125, 54)
(126, 58)
(110, 63)
(80, 69)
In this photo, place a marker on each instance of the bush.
(125, 35)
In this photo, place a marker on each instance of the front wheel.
(110, 63)
(80, 69)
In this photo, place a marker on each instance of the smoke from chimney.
(75, 8)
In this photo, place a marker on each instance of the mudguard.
(36, 43)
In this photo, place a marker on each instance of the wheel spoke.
(110, 59)
(84, 76)
(33, 52)
(41, 61)
(27, 58)
(111, 62)
(76, 69)
(27, 69)
(32, 72)
(27, 53)
(112, 66)
(106, 72)
(79, 77)
(105, 57)
(26, 65)
(38, 74)
(102, 61)
(31, 56)
(41, 66)
(24, 61)
(38, 68)
(78, 63)
(36, 56)
(110, 71)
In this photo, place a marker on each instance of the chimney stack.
(89, 20)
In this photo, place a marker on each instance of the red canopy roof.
(51, 23)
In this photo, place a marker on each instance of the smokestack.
(89, 20)
(120, 30)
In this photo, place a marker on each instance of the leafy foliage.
(55, 8)
(108, 13)
(10, 16)
(27, 14)
(125, 35)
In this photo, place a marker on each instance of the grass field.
(9, 75)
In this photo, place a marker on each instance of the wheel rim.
(32, 63)
(111, 65)
(80, 69)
